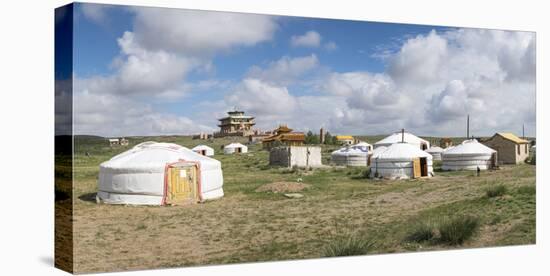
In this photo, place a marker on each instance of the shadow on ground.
(89, 197)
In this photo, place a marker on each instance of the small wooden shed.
(511, 149)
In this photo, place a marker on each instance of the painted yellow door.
(416, 168)
(182, 185)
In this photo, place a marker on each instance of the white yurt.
(203, 150)
(377, 151)
(351, 156)
(435, 151)
(363, 145)
(159, 174)
(235, 148)
(448, 148)
(401, 161)
(406, 137)
(469, 155)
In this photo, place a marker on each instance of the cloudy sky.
(153, 71)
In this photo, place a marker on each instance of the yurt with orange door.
(159, 174)
(401, 161)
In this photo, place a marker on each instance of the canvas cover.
(435, 151)
(469, 155)
(209, 151)
(356, 155)
(396, 161)
(363, 145)
(233, 148)
(377, 151)
(137, 176)
(397, 138)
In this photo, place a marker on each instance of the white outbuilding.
(435, 151)
(351, 156)
(469, 155)
(401, 161)
(406, 137)
(203, 150)
(235, 148)
(159, 174)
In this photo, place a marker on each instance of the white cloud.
(262, 99)
(200, 33)
(115, 115)
(286, 70)
(331, 46)
(433, 81)
(419, 59)
(155, 58)
(309, 39)
(94, 12)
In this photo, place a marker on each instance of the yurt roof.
(435, 149)
(378, 150)
(362, 144)
(448, 148)
(396, 138)
(154, 156)
(350, 150)
(402, 151)
(235, 145)
(470, 147)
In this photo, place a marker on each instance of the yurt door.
(416, 168)
(182, 184)
(423, 166)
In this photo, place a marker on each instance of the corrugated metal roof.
(344, 137)
(512, 137)
(293, 136)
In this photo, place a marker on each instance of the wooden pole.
(468, 127)
(402, 135)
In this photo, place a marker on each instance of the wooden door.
(416, 168)
(424, 166)
(182, 184)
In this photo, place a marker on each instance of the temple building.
(235, 124)
(283, 136)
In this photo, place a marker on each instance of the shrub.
(527, 190)
(458, 230)
(495, 191)
(421, 232)
(348, 246)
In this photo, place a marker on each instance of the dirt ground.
(282, 187)
(247, 225)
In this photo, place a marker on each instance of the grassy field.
(341, 213)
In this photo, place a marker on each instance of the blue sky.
(96, 44)
(182, 69)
